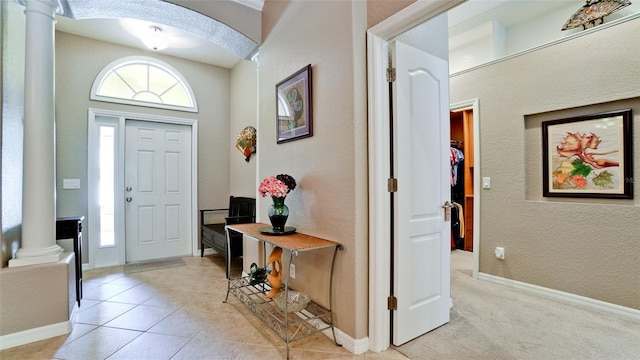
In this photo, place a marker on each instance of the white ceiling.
(186, 45)
(125, 32)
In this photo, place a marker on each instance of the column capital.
(45, 7)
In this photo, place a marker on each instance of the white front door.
(157, 190)
(421, 261)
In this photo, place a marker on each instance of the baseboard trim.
(626, 312)
(32, 335)
(39, 333)
(356, 346)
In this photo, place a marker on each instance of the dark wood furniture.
(71, 228)
(241, 210)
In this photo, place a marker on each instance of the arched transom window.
(143, 81)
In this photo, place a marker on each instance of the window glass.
(143, 81)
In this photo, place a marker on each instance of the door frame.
(92, 178)
(474, 105)
(378, 38)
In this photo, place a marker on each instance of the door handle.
(447, 210)
(128, 188)
(447, 204)
(128, 198)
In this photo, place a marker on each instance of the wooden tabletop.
(296, 241)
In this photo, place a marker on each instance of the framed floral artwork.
(293, 104)
(588, 156)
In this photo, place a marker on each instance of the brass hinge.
(391, 74)
(392, 185)
(392, 303)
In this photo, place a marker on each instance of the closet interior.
(462, 179)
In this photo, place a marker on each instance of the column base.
(37, 256)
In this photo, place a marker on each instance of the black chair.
(241, 210)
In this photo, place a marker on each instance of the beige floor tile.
(390, 354)
(140, 318)
(184, 316)
(150, 346)
(205, 348)
(180, 322)
(35, 350)
(126, 279)
(102, 313)
(98, 344)
(78, 331)
(103, 275)
(104, 291)
(138, 294)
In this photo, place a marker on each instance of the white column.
(39, 177)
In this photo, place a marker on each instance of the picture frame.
(588, 156)
(294, 118)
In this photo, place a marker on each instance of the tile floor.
(174, 313)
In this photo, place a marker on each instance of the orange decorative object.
(246, 142)
(275, 277)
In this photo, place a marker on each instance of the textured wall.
(330, 167)
(584, 247)
(244, 112)
(78, 62)
(13, 47)
(379, 10)
(36, 295)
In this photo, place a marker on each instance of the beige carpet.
(490, 321)
(153, 265)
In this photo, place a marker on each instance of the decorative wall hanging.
(588, 156)
(246, 142)
(293, 104)
(593, 12)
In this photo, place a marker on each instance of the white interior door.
(421, 261)
(157, 190)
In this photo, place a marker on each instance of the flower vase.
(278, 213)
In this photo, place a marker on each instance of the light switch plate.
(486, 183)
(71, 183)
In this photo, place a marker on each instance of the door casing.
(378, 38)
(120, 118)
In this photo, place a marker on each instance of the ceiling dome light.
(155, 39)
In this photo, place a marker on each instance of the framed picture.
(293, 103)
(588, 156)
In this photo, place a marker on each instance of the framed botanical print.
(589, 156)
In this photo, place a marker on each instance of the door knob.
(129, 198)
(447, 204)
(128, 188)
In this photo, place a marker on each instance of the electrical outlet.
(500, 253)
(292, 271)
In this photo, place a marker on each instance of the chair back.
(243, 207)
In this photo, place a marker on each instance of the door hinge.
(391, 74)
(392, 303)
(392, 185)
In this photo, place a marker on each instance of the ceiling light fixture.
(593, 12)
(155, 39)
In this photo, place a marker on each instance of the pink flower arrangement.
(277, 186)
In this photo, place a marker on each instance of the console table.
(71, 228)
(288, 326)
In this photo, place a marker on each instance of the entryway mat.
(153, 265)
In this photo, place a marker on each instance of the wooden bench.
(241, 210)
